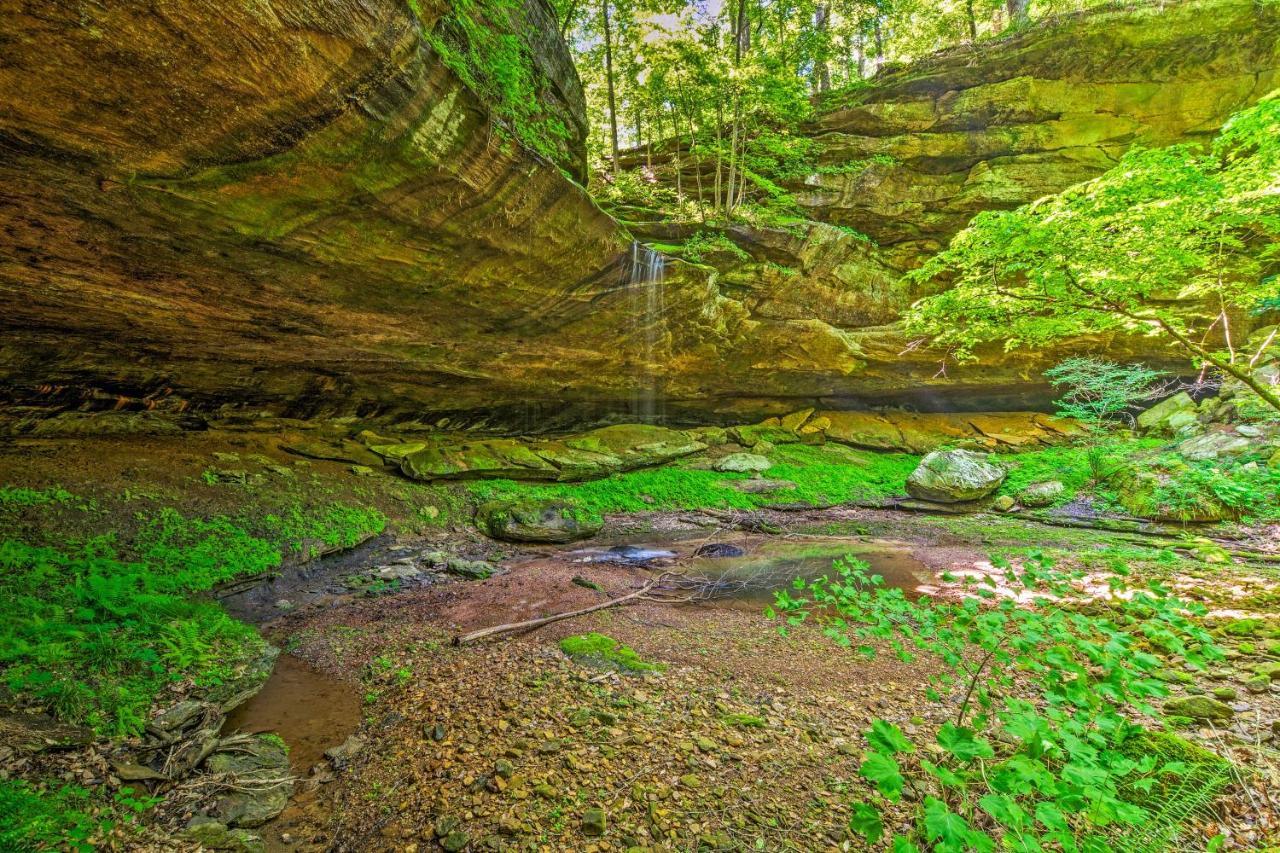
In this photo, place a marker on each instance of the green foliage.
(93, 630)
(52, 819)
(601, 651)
(93, 636)
(1100, 391)
(1110, 254)
(1243, 487)
(479, 40)
(704, 243)
(17, 496)
(1078, 467)
(336, 525)
(1066, 769)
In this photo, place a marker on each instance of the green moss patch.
(821, 474)
(601, 652)
(1075, 466)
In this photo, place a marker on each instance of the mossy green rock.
(603, 652)
(1268, 670)
(743, 463)
(212, 835)
(1199, 708)
(954, 476)
(535, 521)
(1167, 416)
(1041, 494)
(259, 758)
(594, 822)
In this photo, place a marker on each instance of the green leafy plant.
(1040, 750)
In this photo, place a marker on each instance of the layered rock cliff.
(297, 206)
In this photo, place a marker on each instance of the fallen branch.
(657, 590)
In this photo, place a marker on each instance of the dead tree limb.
(668, 588)
(529, 624)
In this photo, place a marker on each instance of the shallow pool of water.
(310, 710)
(775, 564)
(762, 564)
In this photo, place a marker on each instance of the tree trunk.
(608, 72)
(568, 19)
(879, 32)
(862, 56)
(1017, 10)
(973, 23)
(741, 33)
(821, 26)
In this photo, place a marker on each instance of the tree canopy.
(1125, 252)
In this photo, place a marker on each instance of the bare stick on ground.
(667, 588)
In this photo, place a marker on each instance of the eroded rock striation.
(296, 206)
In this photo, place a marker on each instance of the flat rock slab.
(583, 456)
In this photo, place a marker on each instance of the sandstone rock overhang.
(296, 206)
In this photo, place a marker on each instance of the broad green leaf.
(887, 738)
(883, 772)
(866, 822)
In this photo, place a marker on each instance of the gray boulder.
(953, 476)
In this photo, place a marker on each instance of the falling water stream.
(647, 311)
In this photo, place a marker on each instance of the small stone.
(1226, 694)
(547, 792)
(1199, 708)
(1258, 684)
(1004, 503)
(454, 841)
(594, 822)
(504, 768)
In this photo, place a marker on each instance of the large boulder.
(1199, 708)
(258, 766)
(954, 476)
(1169, 415)
(535, 521)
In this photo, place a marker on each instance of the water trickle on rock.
(648, 318)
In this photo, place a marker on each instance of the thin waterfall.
(647, 311)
